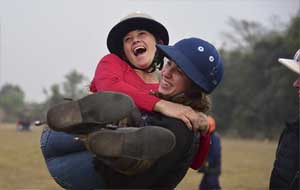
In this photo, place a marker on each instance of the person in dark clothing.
(212, 167)
(285, 173)
(168, 170)
(23, 124)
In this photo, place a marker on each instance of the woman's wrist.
(160, 105)
(204, 132)
(204, 124)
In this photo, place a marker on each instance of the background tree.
(11, 102)
(244, 34)
(253, 100)
(73, 86)
(256, 95)
(55, 96)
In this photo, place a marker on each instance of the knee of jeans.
(44, 140)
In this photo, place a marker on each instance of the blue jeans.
(68, 162)
(210, 182)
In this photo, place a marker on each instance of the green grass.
(247, 164)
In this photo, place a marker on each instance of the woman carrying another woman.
(197, 71)
(135, 74)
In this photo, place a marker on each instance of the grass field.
(246, 163)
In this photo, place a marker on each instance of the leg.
(75, 171)
(210, 182)
(68, 161)
(97, 109)
(203, 185)
(54, 144)
(145, 143)
(169, 169)
(131, 150)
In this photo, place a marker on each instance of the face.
(173, 80)
(139, 48)
(296, 84)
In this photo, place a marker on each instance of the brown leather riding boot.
(92, 112)
(131, 150)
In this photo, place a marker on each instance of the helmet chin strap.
(149, 69)
(157, 63)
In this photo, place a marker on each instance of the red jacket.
(202, 152)
(113, 74)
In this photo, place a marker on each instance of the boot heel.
(63, 117)
(95, 110)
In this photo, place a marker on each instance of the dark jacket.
(169, 170)
(285, 173)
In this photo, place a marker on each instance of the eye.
(180, 71)
(127, 39)
(169, 63)
(142, 33)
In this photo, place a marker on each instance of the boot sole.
(99, 108)
(145, 143)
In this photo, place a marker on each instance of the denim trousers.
(68, 161)
(210, 182)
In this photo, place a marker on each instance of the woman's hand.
(203, 124)
(196, 121)
(199, 121)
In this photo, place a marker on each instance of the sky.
(42, 41)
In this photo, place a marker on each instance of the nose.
(166, 72)
(296, 84)
(135, 38)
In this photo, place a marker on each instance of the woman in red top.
(131, 68)
(193, 70)
(133, 72)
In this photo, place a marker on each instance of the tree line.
(253, 100)
(256, 96)
(13, 106)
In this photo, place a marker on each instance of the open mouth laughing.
(139, 50)
(165, 84)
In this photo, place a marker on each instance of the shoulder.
(289, 139)
(112, 61)
(112, 57)
(287, 157)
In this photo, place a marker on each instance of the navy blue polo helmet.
(198, 59)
